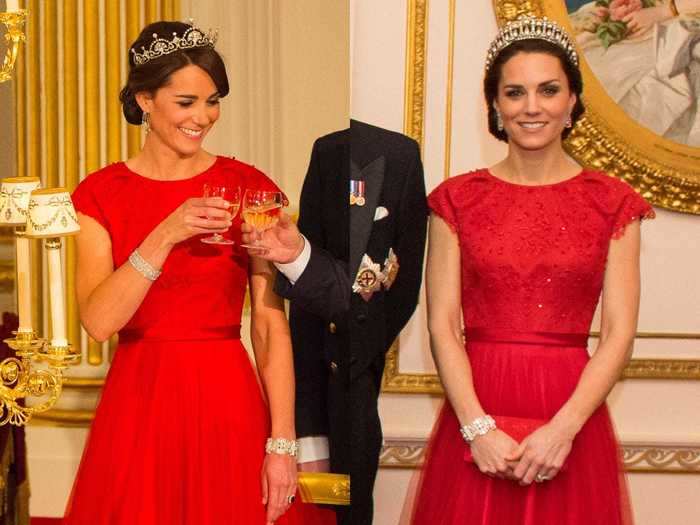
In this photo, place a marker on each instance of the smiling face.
(534, 100)
(183, 111)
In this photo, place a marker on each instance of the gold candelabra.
(36, 370)
(14, 21)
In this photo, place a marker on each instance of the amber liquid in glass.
(262, 217)
(261, 210)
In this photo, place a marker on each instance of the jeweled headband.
(528, 27)
(191, 38)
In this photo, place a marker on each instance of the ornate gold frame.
(396, 382)
(637, 457)
(664, 172)
(416, 45)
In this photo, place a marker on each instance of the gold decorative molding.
(63, 418)
(663, 172)
(83, 383)
(662, 369)
(416, 45)
(642, 457)
(661, 335)
(402, 453)
(664, 458)
(511, 9)
(397, 382)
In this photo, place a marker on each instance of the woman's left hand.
(279, 481)
(541, 453)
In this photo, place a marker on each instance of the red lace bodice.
(533, 257)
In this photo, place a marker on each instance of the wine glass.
(261, 210)
(231, 194)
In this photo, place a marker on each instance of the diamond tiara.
(530, 27)
(191, 38)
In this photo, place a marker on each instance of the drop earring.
(146, 122)
(499, 121)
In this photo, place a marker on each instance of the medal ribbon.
(357, 189)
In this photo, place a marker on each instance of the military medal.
(391, 269)
(369, 278)
(357, 192)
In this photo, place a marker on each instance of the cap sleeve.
(85, 200)
(441, 203)
(631, 207)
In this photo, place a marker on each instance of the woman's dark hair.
(533, 45)
(156, 73)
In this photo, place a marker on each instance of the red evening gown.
(180, 429)
(533, 260)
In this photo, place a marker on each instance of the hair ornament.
(191, 38)
(528, 27)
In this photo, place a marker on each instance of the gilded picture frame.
(590, 150)
(664, 172)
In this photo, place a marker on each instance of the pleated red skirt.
(178, 439)
(527, 381)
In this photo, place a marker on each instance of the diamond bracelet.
(480, 426)
(289, 447)
(142, 266)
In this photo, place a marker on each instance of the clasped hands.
(542, 454)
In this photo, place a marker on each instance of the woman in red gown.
(519, 254)
(179, 436)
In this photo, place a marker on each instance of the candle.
(11, 5)
(24, 290)
(58, 314)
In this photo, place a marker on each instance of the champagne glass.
(231, 194)
(261, 210)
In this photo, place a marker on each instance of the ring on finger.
(541, 478)
(291, 498)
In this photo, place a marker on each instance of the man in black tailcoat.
(352, 278)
